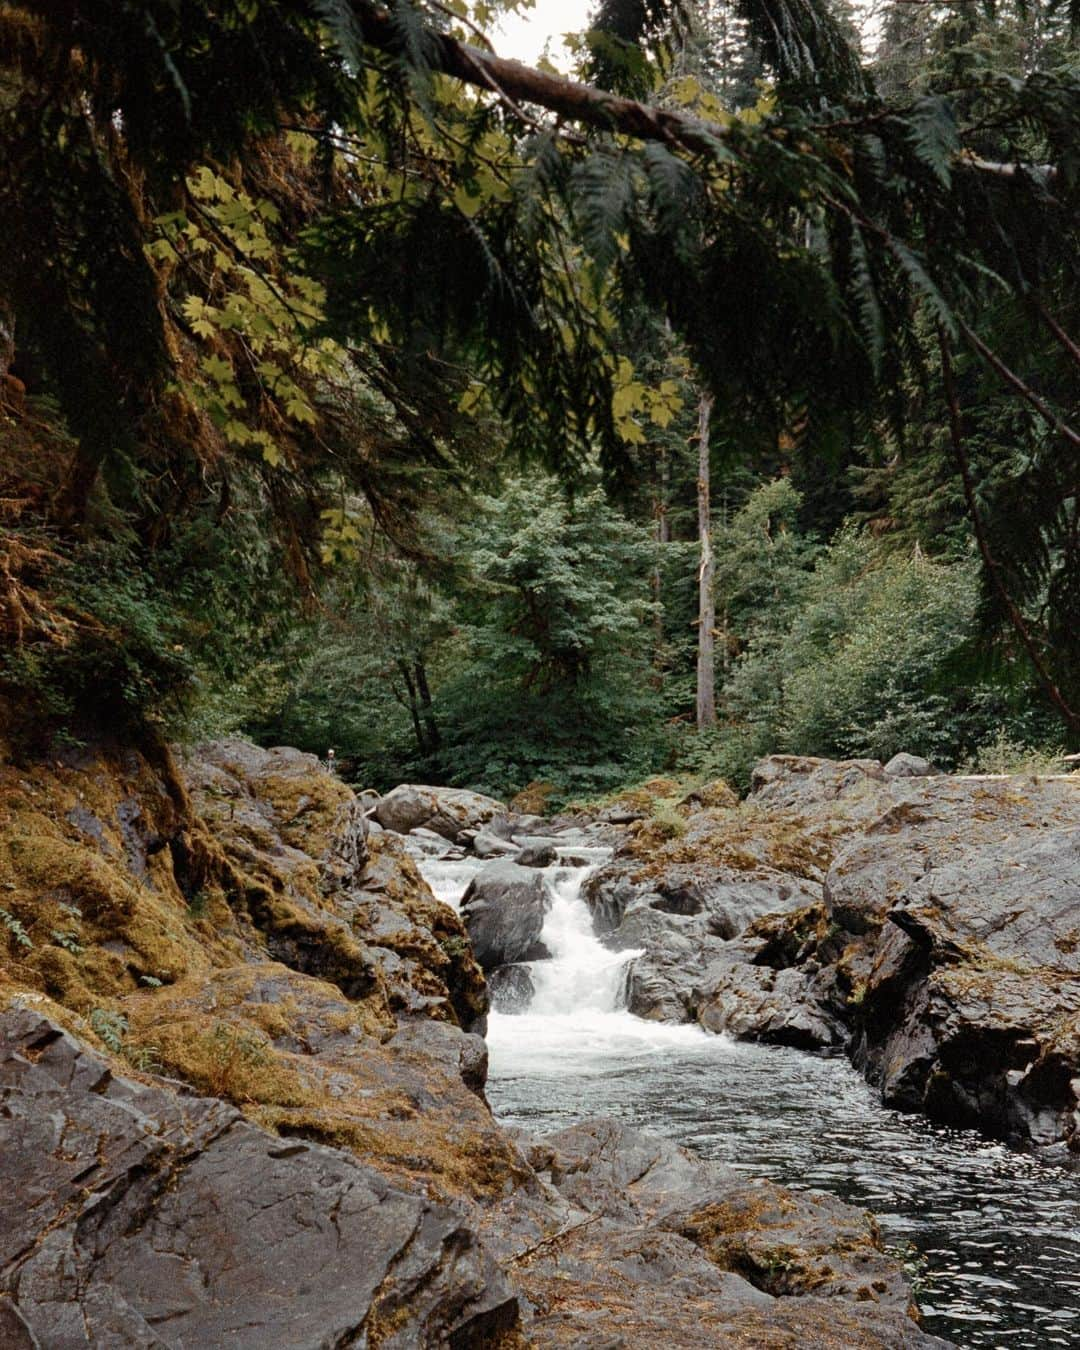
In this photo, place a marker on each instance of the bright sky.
(522, 36)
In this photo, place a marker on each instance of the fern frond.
(930, 126)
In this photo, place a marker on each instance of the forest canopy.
(352, 381)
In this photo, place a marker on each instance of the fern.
(806, 47)
(15, 928)
(672, 190)
(343, 30)
(866, 299)
(111, 1028)
(69, 941)
(604, 201)
(915, 270)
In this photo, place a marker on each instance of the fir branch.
(990, 562)
(1020, 386)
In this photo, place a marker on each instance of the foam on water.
(449, 878)
(575, 1022)
(996, 1233)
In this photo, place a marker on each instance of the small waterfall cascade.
(575, 1020)
(997, 1232)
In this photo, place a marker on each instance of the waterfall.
(576, 1020)
(998, 1231)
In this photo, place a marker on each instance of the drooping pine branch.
(992, 567)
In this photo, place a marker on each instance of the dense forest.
(360, 389)
(539, 676)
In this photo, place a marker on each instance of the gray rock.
(800, 781)
(424, 843)
(503, 910)
(139, 1216)
(445, 811)
(489, 845)
(537, 855)
(621, 815)
(455, 1051)
(971, 1008)
(908, 766)
(700, 1243)
(509, 824)
(779, 1007)
(663, 986)
(726, 901)
(511, 989)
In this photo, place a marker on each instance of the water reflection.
(996, 1233)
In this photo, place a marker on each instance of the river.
(991, 1234)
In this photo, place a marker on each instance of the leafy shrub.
(867, 665)
(1004, 754)
(667, 820)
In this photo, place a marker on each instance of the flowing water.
(993, 1235)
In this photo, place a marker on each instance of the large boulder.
(971, 1008)
(445, 811)
(133, 1216)
(629, 902)
(759, 1003)
(503, 910)
(537, 854)
(908, 766)
(802, 781)
(672, 1251)
(490, 845)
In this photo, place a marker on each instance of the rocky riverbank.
(242, 1081)
(927, 925)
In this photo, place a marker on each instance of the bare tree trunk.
(7, 340)
(663, 536)
(706, 672)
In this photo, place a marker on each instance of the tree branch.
(993, 568)
(568, 98)
(1018, 385)
(516, 84)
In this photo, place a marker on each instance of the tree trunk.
(413, 704)
(7, 340)
(706, 672)
(427, 710)
(663, 536)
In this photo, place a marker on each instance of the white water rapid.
(574, 1023)
(996, 1232)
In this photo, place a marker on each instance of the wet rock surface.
(511, 988)
(139, 1216)
(503, 909)
(929, 925)
(245, 1104)
(663, 1249)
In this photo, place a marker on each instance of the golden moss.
(223, 1059)
(534, 798)
(309, 808)
(415, 1149)
(168, 935)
